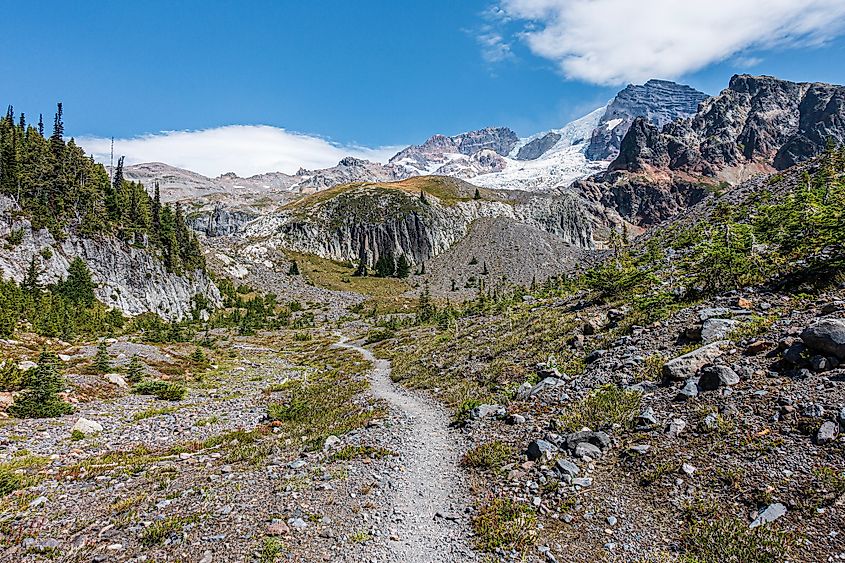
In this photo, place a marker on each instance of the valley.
(618, 340)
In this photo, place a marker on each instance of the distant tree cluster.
(387, 266)
(61, 188)
(65, 309)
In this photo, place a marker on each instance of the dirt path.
(429, 521)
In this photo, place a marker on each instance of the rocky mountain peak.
(757, 120)
(657, 101)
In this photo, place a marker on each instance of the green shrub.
(165, 390)
(604, 406)
(9, 482)
(492, 455)
(503, 523)
(718, 540)
(11, 378)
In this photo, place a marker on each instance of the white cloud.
(618, 41)
(243, 149)
(494, 48)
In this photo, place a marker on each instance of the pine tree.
(40, 397)
(477, 194)
(102, 360)
(57, 138)
(78, 286)
(294, 269)
(403, 267)
(426, 308)
(484, 270)
(135, 370)
(385, 265)
(31, 281)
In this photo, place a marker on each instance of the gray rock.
(582, 481)
(539, 449)
(769, 514)
(566, 467)
(586, 449)
(689, 390)
(646, 418)
(523, 391)
(545, 384)
(826, 335)
(599, 439)
(713, 377)
(686, 366)
(794, 354)
(717, 329)
(87, 426)
(827, 433)
(483, 411)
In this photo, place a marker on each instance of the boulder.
(713, 377)
(769, 514)
(566, 467)
(484, 411)
(87, 426)
(717, 329)
(687, 366)
(599, 439)
(116, 379)
(689, 390)
(827, 433)
(826, 335)
(646, 418)
(586, 449)
(539, 449)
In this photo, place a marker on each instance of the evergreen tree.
(403, 267)
(102, 360)
(294, 269)
(477, 194)
(135, 370)
(31, 279)
(41, 125)
(385, 265)
(40, 399)
(484, 270)
(57, 139)
(426, 309)
(78, 286)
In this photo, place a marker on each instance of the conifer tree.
(40, 399)
(78, 286)
(403, 267)
(31, 281)
(294, 269)
(135, 370)
(477, 194)
(102, 360)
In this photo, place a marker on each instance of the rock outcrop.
(126, 277)
(757, 120)
(657, 102)
(362, 222)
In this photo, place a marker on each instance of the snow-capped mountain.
(494, 157)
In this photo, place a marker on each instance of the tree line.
(62, 189)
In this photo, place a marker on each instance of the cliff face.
(126, 277)
(757, 120)
(657, 102)
(365, 221)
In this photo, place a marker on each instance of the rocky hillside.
(758, 122)
(657, 102)
(126, 277)
(418, 218)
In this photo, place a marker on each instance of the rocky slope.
(758, 122)
(657, 102)
(126, 277)
(363, 221)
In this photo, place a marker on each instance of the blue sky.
(375, 73)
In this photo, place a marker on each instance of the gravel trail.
(429, 503)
